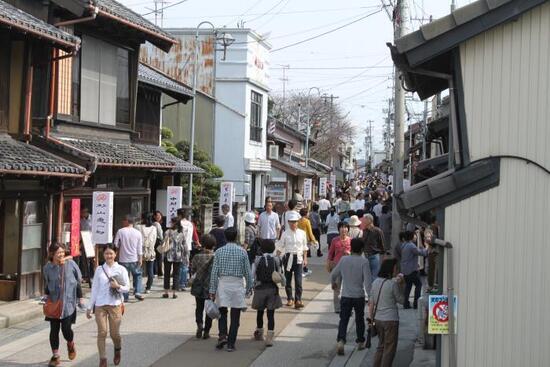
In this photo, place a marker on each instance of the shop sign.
(173, 202)
(75, 227)
(333, 182)
(102, 217)
(226, 195)
(307, 188)
(277, 192)
(438, 314)
(323, 186)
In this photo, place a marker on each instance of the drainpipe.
(28, 101)
(59, 232)
(50, 221)
(450, 299)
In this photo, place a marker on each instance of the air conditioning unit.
(273, 152)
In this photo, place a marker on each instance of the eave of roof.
(151, 76)
(26, 23)
(293, 168)
(429, 48)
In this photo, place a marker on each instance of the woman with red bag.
(62, 278)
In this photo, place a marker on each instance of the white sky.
(362, 92)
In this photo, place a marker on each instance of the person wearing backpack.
(266, 291)
(149, 236)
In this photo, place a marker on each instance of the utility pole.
(284, 79)
(424, 128)
(331, 98)
(368, 148)
(400, 22)
(453, 5)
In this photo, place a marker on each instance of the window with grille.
(256, 117)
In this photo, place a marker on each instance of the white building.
(241, 115)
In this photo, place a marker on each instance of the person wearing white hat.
(293, 245)
(354, 230)
(250, 230)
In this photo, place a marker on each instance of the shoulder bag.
(166, 244)
(114, 292)
(53, 310)
(371, 331)
(277, 276)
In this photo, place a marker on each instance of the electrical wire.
(274, 15)
(166, 7)
(365, 90)
(267, 12)
(243, 14)
(327, 32)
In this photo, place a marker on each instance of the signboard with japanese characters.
(438, 314)
(307, 188)
(173, 202)
(276, 191)
(323, 186)
(75, 227)
(226, 195)
(102, 217)
(333, 182)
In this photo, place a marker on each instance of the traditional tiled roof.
(181, 166)
(26, 23)
(151, 76)
(110, 153)
(19, 158)
(116, 10)
(293, 167)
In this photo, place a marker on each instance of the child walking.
(266, 291)
(354, 271)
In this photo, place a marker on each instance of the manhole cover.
(317, 325)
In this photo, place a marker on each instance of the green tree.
(206, 189)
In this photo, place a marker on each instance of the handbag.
(277, 276)
(113, 291)
(53, 310)
(371, 331)
(212, 309)
(166, 245)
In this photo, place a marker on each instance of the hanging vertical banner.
(173, 203)
(333, 182)
(226, 195)
(308, 182)
(75, 227)
(323, 186)
(102, 217)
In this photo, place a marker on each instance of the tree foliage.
(330, 126)
(206, 189)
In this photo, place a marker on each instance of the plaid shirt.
(231, 261)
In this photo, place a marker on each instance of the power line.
(274, 15)
(166, 7)
(338, 67)
(267, 12)
(246, 11)
(365, 90)
(325, 33)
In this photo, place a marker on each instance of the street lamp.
(309, 120)
(193, 105)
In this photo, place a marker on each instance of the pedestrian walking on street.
(269, 226)
(188, 230)
(305, 225)
(333, 219)
(226, 287)
(218, 232)
(291, 209)
(62, 277)
(110, 282)
(386, 293)
(374, 244)
(250, 230)
(130, 254)
(293, 244)
(340, 247)
(174, 256)
(324, 209)
(354, 230)
(316, 225)
(385, 222)
(149, 238)
(201, 265)
(408, 257)
(354, 272)
(159, 258)
(266, 291)
(229, 221)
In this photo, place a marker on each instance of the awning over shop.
(153, 77)
(18, 20)
(18, 158)
(293, 168)
(122, 154)
(258, 165)
(322, 168)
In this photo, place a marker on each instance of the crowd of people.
(221, 272)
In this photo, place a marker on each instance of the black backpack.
(265, 269)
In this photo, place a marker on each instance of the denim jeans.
(149, 270)
(374, 263)
(410, 280)
(295, 270)
(346, 306)
(184, 274)
(233, 328)
(135, 270)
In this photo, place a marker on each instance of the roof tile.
(151, 76)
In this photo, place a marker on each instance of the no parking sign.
(438, 314)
